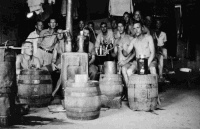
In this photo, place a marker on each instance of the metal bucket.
(110, 67)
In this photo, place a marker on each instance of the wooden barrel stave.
(35, 87)
(143, 92)
(83, 115)
(7, 85)
(83, 102)
(111, 89)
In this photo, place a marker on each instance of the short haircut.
(91, 23)
(52, 17)
(122, 22)
(103, 23)
(80, 21)
(38, 21)
(140, 22)
(126, 13)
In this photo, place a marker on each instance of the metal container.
(110, 67)
(142, 65)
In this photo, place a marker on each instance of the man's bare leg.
(124, 73)
(160, 66)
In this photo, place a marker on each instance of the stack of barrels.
(82, 98)
(111, 86)
(7, 85)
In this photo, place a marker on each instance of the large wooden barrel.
(7, 85)
(111, 89)
(143, 92)
(35, 87)
(82, 100)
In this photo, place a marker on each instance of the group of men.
(43, 48)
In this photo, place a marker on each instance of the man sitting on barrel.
(122, 42)
(123, 62)
(26, 60)
(143, 45)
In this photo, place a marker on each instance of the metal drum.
(110, 67)
(142, 64)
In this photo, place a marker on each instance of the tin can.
(142, 65)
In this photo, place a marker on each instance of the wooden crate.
(73, 63)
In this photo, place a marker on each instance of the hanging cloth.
(119, 7)
(35, 5)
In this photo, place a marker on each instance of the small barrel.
(110, 67)
(82, 100)
(35, 88)
(111, 89)
(143, 92)
(7, 85)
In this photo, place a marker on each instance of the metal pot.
(110, 67)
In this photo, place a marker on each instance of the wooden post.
(69, 16)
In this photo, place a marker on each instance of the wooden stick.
(12, 47)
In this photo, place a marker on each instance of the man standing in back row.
(33, 36)
(46, 43)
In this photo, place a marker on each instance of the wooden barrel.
(143, 92)
(7, 84)
(35, 88)
(82, 100)
(111, 89)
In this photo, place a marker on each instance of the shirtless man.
(26, 60)
(143, 45)
(120, 44)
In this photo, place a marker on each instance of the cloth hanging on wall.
(119, 7)
(35, 5)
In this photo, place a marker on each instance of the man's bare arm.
(114, 53)
(152, 49)
(17, 63)
(41, 38)
(54, 55)
(130, 57)
(127, 50)
(92, 59)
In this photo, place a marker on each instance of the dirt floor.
(179, 109)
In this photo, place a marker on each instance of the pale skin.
(60, 37)
(143, 45)
(27, 56)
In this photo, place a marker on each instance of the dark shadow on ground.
(19, 122)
